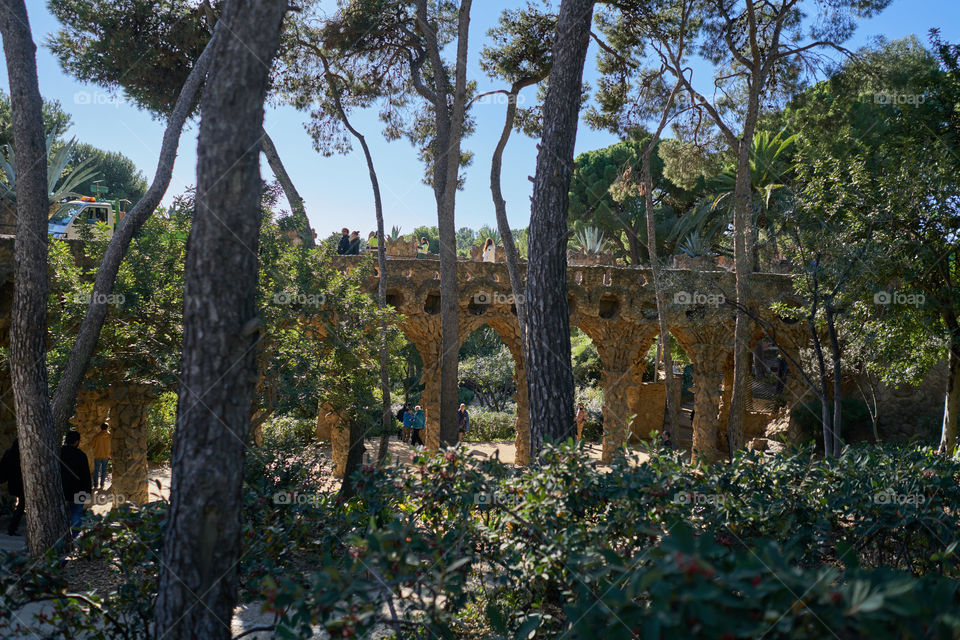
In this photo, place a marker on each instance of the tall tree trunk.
(47, 517)
(549, 370)
(386, 413)
(634, 243)
(672, 425)
(289, 190)
(951, 405)
(822, 394)
(500, 207)
(836, 357)
(355, 450)
(446, 143)
(742, 260)
(198, 587)
(65, 396)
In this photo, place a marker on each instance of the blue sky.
(336, 190)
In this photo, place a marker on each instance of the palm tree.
(708, 221)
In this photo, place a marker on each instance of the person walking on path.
(75, 476)
(401, 416)
(418, 425)
(463, 422)
(11, 474)
(101, 456)
(344, 245)
(580, 419)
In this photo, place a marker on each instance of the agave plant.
(59, 186)
(589, 239)
(696, 245)
(394, 234)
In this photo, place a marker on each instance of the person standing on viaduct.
(344, 245)
(489, 253)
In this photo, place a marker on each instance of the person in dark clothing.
(354, 249)
(419, 423)
(11, 474)
(463, 422)
(344, 245)
(75, 473)
(404, 409)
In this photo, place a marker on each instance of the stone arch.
(653, 394)
(505, 325)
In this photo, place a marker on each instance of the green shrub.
(286, 429)
(779, 547)
(161, 421)
(488, 426)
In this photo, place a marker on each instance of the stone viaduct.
(613, 305)
(616, 308)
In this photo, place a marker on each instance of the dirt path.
(399, 452)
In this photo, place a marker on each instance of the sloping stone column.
(617, 344)
(708, 366)
(128, 424)
(616, 410)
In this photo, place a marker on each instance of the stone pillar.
(708, 368)
(616, 384)
(128, 424)
(521, 397)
